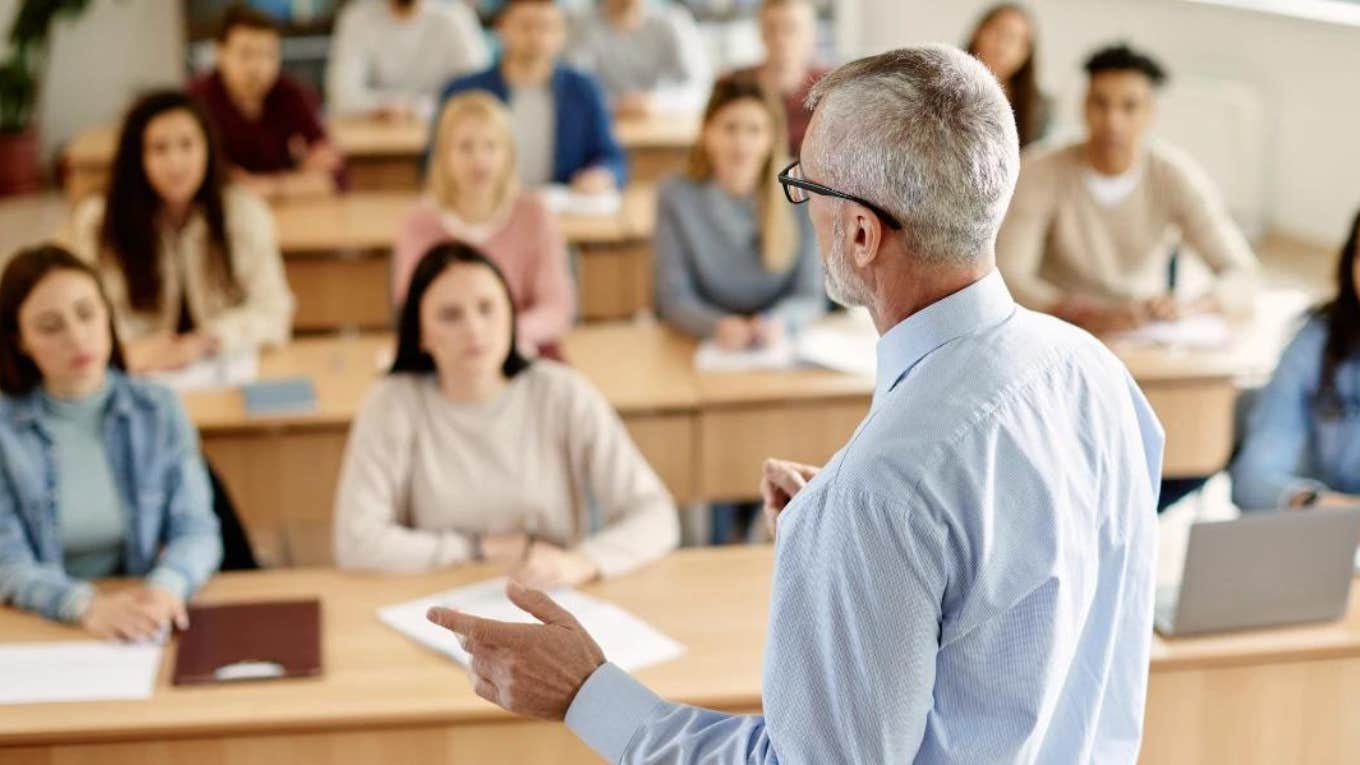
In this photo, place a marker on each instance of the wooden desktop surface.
(382, 687)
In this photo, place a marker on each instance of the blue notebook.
(290, 395)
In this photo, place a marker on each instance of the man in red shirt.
(269, 124)
(790, 69)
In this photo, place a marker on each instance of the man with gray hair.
(970, 578)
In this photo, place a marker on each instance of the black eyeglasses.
(797, 189)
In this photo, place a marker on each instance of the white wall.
(1306, 71)
(115, 50)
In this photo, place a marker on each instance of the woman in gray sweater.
(733, 260)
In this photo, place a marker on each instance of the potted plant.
(20, 166)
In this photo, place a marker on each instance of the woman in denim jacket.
(1302, 447)
(100, 474)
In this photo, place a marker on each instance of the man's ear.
(866, 236)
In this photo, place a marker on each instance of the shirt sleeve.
(265, 314)
(1211, 232)
(192, 540)
(828, 622)
(689, 77)
(677, 298)
(347, 69)
(551, 298)
(373, 492)
(43, 588)
(638, 520)
(605, 150)
(1021, 240)
(1272, 464)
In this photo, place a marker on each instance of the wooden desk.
(1257, 697)
(382, 698)
(337, 253)
(388, 155)
(706, 434)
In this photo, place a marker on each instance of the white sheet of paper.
(228, 371)
(77, 671)
(626, 640)
(1201, 331)
(845, 343)
(561, 200)
(712, 358)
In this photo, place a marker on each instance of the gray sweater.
(708, 264)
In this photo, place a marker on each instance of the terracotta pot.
(20, 163)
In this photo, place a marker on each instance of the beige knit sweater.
(422, 474)
(1058, 241)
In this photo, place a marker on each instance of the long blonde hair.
(778, 234)
(483, 106)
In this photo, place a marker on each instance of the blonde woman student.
(473, 196)
(469, 451)
(734, 261)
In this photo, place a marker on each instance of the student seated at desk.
(1094, 225)
(269, 123)
(1005, 40)
(788, 28)
(1302, 446)
(190, 263)
(562, 128)
(389, 58)
(651, 59)
(474, 197)
(468, 451)
(100, 474)
(733, 260)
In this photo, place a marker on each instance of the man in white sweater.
(390, 57)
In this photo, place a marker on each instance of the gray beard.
(842, 285)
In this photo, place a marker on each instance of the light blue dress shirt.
(1295, 441)
(968, 580)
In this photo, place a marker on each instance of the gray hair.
(927, 134)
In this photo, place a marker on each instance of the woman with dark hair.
(1005, 40)
(1302, 447)
(100, 474)
(468, 451)
(191, 264)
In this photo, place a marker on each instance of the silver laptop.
(1263, 570)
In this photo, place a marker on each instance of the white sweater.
(380, 60)
(549, 456)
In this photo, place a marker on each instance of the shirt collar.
(981, 304)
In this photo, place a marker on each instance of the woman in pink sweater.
(473, 197)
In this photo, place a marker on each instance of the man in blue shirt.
(970, 578)
(563, 131)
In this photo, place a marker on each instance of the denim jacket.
(1294, 440)
(173, 537)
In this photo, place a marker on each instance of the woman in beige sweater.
(191, 265)
(469, 452)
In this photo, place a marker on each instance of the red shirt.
(796, 115)
(291, 116)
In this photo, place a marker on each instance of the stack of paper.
(77, 671)
(713, 358)
(626, 640)
(562, 200)
(1204, 331)
(227, 371)
(847, 343)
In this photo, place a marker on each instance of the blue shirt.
(1295, 441)
(172, 536)
(968, 580)
(584, 131)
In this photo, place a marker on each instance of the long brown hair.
(1027, 101)
(1342, 315)
(130, 234)
(18, 374)
(778, 235)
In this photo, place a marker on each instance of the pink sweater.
(528, 248)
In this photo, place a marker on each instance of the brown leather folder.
(250, 641)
